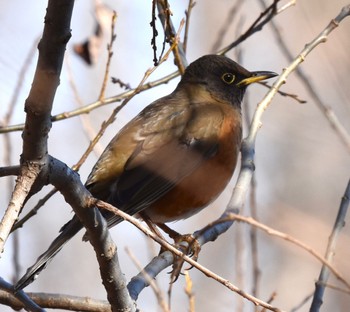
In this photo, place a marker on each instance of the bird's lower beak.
(256, 77)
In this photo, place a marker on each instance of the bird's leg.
(193, 247)
(187, 243)
(152, 226)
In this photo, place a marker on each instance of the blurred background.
(302, 167)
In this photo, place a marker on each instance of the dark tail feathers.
(67, 232)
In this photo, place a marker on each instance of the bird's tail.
(67, 232)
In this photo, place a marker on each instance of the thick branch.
(39, 103)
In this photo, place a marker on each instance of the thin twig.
(188, 12)
(34, 210)
(302, 303)
(271, 231)
(84, 118)
(189, 292)
(264, 18)
(337, 288)
(169, 33)
(286, 94)
(109, 57)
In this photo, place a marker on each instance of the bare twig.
(169, 33)
(188, 12)
(337, 288)
(271, 231)
(109, 57)
(286, 6)
(34, 210)
(302, 303)
(264, 18)
(286, 94)
(338, 225)
(84, 118)
(189, 292)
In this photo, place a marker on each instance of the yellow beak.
(256, 77)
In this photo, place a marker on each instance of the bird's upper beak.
(256, 77)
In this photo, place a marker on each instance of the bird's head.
(222, 77)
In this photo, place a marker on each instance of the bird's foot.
(186, 243)
(189, 245)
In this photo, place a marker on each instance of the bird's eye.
(228, 78)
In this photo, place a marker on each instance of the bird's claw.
(190, 246)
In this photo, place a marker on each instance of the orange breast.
(201, 187)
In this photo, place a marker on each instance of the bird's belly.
(201, 187)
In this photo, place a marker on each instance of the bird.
(175, 157)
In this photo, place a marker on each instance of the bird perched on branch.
(176, 156)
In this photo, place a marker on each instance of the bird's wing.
(168, 142)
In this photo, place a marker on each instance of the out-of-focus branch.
(34, 210)
(325, 261)
(226, 25)
(109, 58)
(330, 252)
(307, 83)
(188, 12)
(264, 18)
